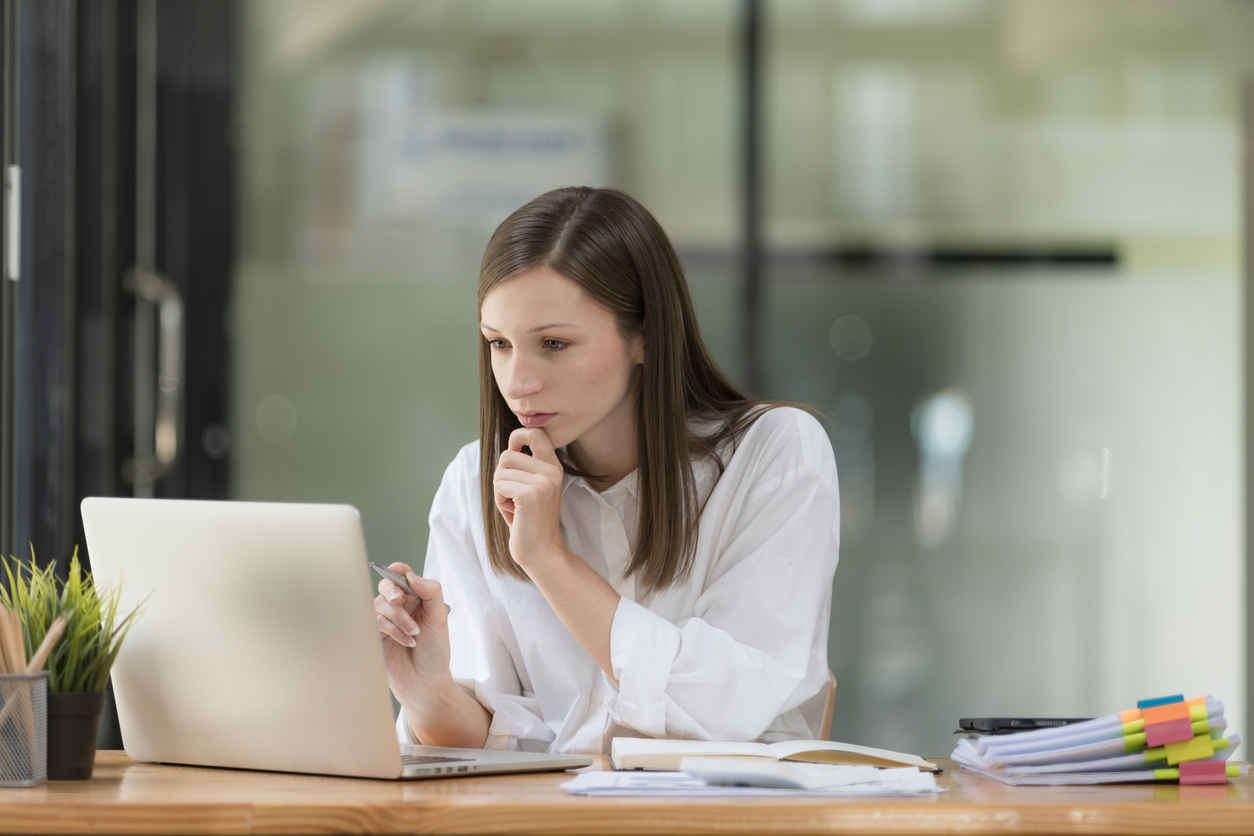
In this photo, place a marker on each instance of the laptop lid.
(257, 647)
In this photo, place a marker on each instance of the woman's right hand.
(415, 637)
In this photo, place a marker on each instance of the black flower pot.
(73, 720)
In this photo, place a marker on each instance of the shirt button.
(600, 699)
(613, 515)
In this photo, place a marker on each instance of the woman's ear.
(636, 347)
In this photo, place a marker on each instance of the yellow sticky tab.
(1190, 750)
(1158, 754)
(1198, 712)
(1234, 770)
(1201, 727)
(1131, 715)
(1133, 727)
(1166, 774)
(1134, 743)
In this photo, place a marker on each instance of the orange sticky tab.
(1130, 716)
(1163, 713)
(1195, 701)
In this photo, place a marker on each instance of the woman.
(633, 547)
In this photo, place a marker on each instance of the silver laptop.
(258, 648)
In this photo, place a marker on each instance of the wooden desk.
(130, 797)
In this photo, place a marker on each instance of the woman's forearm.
(582, 599)
(448, 716)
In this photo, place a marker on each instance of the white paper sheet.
(895, 783)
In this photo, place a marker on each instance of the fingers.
(432, 595)
(387, 628)
(506, 507)
(538, 440)
(395, 595)
(395, 621)
(511, 460)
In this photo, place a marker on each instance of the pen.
(399, 581)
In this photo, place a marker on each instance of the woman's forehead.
(537, 299)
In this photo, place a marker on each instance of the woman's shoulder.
(787, 435)
(463, 470)
(786, 424)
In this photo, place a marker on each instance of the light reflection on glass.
(942, 424)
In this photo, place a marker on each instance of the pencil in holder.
(23, 729)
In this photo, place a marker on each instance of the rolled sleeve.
(643, 647)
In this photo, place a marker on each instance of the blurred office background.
(997, 242)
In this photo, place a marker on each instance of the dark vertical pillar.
(105, 232)
(195, 226)
(8, 289)
(44, 432)
(751, 191)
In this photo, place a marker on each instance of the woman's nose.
(520, 380)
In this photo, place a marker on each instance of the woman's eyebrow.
(485, 327)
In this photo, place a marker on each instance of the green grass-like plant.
(94, 629)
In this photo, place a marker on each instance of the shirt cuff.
(643, 647)
(502, 732)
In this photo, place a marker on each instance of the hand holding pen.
(399, 607)
(399, 581)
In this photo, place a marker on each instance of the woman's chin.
(559, 439)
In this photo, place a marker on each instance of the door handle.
(147, 467)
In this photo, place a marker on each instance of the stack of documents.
(1163, 739)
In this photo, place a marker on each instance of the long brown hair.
(607, 243)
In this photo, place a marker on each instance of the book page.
(836, 752)
(627, 746)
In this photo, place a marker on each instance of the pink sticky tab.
(1168, 731)
(1204, 772)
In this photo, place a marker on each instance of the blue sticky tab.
(1159, 701)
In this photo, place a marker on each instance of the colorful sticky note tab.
(1170, 731)
(1163, 713)
(1192, 750)
(1204, 772)
(1144, 704)
(1130, 716)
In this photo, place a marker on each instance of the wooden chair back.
(829, 707)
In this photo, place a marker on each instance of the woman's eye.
(496, 345)
(555, 345)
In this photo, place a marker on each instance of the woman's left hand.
(528, 493)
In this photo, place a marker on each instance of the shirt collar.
(629, 483)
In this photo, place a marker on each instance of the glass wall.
(1039, 462)
(1033, 456)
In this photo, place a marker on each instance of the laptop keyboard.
(423, 760)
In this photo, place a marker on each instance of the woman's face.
(559, 358)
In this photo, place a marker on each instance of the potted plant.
(79, 664)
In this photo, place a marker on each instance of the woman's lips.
(534, 419)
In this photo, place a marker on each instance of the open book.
(647, 753)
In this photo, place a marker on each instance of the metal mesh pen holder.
(23, 729)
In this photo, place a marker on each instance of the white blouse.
(738, 651)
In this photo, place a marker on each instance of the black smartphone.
(1006, 725)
